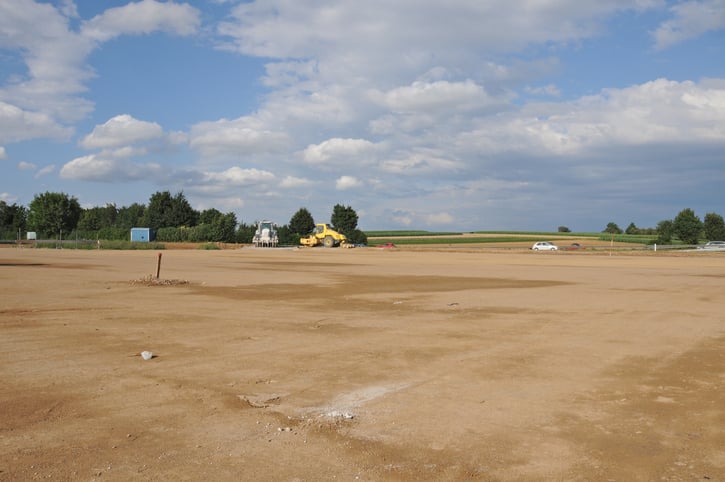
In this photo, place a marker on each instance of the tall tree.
(301, 222)
(166, 211)
(130, 216)
(344, 219)
(612, 228)
(12, 218)
(96, 218)
(632, 229)
(52, 213)
(687, 226)
(208, 216)
(223, 228)
(714, 227)
(664, 231)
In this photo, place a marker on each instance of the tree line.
(54, 215)
(686, 226)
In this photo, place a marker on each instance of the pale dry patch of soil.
(362, 364)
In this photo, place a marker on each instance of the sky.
(459, 116)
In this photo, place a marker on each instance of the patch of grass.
(628, 238)
(103, 244)
(378, 234)
(445, 240)
(209, 246)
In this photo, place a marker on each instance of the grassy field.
(376, 238)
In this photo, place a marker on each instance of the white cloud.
(344, 183)
(422, 161)
(238, 138)
(98, 168)
(661, 111)
(27, 166)
(143, 17)
(238, 177)
(338, 151)
(414, 30)
(3, 153)
(690, 19)
(435, 96)
(45, 171)
(121, 130)
(20, 125)
(295, 182)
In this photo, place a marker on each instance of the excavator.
(325, 235)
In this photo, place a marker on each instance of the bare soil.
(362, 364)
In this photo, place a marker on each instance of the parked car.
(544, 246)
(713, 245)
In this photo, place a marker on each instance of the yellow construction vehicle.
(325, 235)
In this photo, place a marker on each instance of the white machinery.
(266, 235)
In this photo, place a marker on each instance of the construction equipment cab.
(325, 235)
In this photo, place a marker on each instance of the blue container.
(142, 235)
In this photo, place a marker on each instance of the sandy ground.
(363, 364)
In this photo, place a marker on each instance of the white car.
(718, 245)
(544, 246)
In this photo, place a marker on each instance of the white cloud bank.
(412, 109)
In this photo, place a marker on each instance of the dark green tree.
(664, 232)
(612, 228)
(208, 216)
(166, 211)
(687, 226)
(344, 219)
(714, 227)
(245, 233)
(12, 218)
(96, 218)
(223, 228)
(564, 229)
(301, 222)
(131, 216)
(632, 229)
(53, 213)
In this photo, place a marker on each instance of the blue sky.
(459, 115)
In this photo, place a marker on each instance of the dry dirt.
(363, 364)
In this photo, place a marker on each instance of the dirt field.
(363, 364)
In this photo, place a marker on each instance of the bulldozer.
(325, 235)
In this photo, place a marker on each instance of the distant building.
(142, 235)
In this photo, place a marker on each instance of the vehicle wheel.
(329, 242)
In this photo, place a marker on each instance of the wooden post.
(158, 266)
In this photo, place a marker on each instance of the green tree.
(53, 213)
(12, 218)
(714, 227)
(167, 211)
(131, 216)
(664, 232)
(687, 226)
(245, 233)
(564, 229)
(344, 219)
(301, 222)
(612, 228)
(223, 228)
(96, 218)
(632, 229)
(208, 216)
